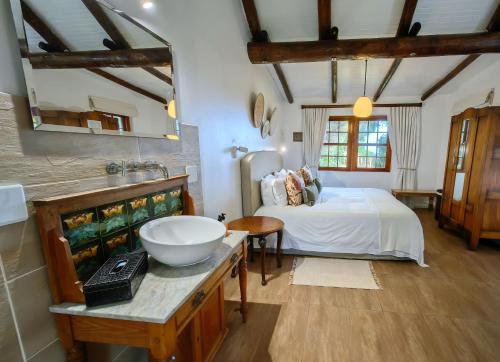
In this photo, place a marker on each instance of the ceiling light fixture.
(172, 113)
(363, 106)
(147, 4)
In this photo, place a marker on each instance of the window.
(355, 144)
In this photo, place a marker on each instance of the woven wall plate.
(258, 111)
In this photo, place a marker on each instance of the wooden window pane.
(372, 138)
(381, 151)
(327, 137)
(334, 126)
(372, 151)
(372, 126)
(334, 137)
(324, 151)
(343, 138)
(343, 126)
(380, 163)
(342, 150)
(363, 138)
(363, 126)
(323, 161)
(382, 138)
(382, 126)
(333, 161)
(370, 162)
(334, 150)
(342, 162)
(362, 150)
(362, 162)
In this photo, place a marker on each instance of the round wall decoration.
(273, 119)
(258, 111)
(264, 131)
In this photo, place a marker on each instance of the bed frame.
(254, 166)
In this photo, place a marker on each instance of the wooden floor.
(447, 312)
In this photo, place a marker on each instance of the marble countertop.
(163, 290)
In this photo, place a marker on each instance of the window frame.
(352, 146)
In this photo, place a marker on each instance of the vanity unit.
(471, 191)
(177, 313)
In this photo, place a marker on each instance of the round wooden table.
(260, 227)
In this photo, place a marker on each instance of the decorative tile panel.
(98, 233)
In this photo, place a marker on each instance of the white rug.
(329, 272)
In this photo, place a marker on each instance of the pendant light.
(363, 106)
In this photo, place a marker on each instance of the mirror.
(90, 68)
(460, 161)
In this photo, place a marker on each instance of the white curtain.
(405, 133)
(314, 122)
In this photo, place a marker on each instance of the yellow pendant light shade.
(363, 107)
(171, 109)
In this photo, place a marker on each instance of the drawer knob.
(234, 258)
(198, 298)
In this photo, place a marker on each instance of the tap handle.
(124, 168)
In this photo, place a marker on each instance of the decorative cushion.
(310, 194)
(279, 192)
(266, 190)
(306, 174)
(318, 184)
(294, 185)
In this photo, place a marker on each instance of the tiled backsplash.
(48, 164)
(98, 233)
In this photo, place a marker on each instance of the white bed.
(352, 222)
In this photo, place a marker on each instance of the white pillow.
(279, 192)
(266, 190)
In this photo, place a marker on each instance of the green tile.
(80, 227)
(112, 217)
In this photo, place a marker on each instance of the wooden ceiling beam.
(405, 47)
(452, 74)
(54, 42)
(326, 32)
(116, 36)
(493, 26)
(127, 58)
(128, 85)
(259, 35)
(376, 105)
(403, 30)
(324, 19)
(41, 28)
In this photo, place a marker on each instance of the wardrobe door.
(462, 164)
(449, 178)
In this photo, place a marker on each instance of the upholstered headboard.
(254, 166)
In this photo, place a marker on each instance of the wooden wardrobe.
(471, 191)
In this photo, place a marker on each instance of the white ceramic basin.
(182, 240)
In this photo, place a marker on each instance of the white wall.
(467, 90)
(215, 82)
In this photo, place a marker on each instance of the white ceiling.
(295, 20)
(74, 24)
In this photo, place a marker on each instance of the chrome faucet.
(114, 168)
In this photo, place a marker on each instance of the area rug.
(329, 272)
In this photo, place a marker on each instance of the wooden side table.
(260, 227)
(398, 193)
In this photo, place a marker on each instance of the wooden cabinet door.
(213, 327)
(449, 177)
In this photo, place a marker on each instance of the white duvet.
(352, 221)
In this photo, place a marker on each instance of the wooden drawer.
(198, 298)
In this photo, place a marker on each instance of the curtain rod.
(386, 105)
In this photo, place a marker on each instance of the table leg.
(263, 247)
(242, 272)
(75, 350)
(250, 244)
(431, 202)
(278, 248)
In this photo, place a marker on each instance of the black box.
(116, 280)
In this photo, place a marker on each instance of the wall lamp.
(235, 149)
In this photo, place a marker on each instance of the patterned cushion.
(306, 174)
(294, 185)
(310, 194)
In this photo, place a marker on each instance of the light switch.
(192, 171)
(12, 204)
